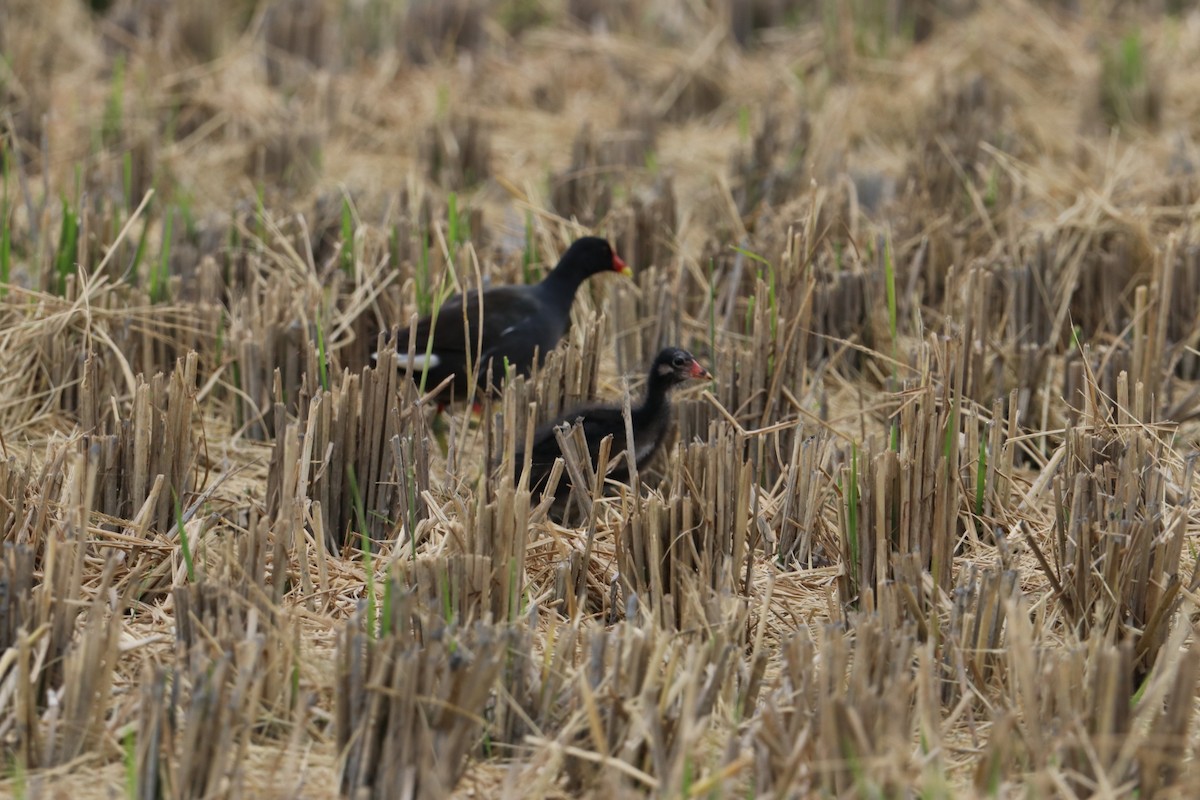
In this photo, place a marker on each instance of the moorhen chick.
(651, 419)
(517, 322)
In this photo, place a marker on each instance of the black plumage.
(651, 421)
(517, 323)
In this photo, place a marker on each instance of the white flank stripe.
(419, 361)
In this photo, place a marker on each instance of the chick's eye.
(680, 361)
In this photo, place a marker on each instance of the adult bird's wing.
(506, 309)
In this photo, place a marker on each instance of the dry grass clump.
(352, 454)
(134, 473)
(757, 179)
(297, 35)
(401, 701)
(1132, 84)
(434, 29)
(584, 191)
(456, 152)
(930, 530)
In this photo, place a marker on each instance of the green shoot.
(447, 601)
(139, 252)
(127, 180)
(410, 488)
(712, 311)
(129, 748)
(889, 274)
(443, 101)
(385, 615)
(1133, 66)
(743, 123)
(68, 238)
(5, 230)
(456, 228)
(750, 255)
(772, 307)
(368, 565)
(232, 251)
(260, 215)
(428, 350)
(158, 278)
(236, 377)
(1139, 692)
(185, 546)
(992, 193)
(424, 291)
(852, 515)
(322, 369)
(529, 254)
(19, 779)
(770, 284)
(114, 113)
(1123, 81)
(980, 479)
(394, 245)
(347, 237)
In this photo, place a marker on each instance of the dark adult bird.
(513, 323)
(651, 420)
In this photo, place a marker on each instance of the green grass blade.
(322, 369)
(452, 230)
(424, 290)
(385, 615)
(158, 278)
(68, 239)
(139, 253)
(712, 310)
(5, 229)
(529, 254)
(129, 748)
(750, 255)
(852, 517)
(185, 546)
(114, 107)
(347, 237)
(368, 562)
(889, 271)
(980, 479)
(127, 181)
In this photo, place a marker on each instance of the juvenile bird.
(651, 420)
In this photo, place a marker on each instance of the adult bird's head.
(590, 255)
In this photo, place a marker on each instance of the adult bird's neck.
(562, 282)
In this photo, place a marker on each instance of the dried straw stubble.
(955, 259)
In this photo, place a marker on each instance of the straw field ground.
(930, 531)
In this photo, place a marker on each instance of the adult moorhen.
(517, 322)
(650, 420)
